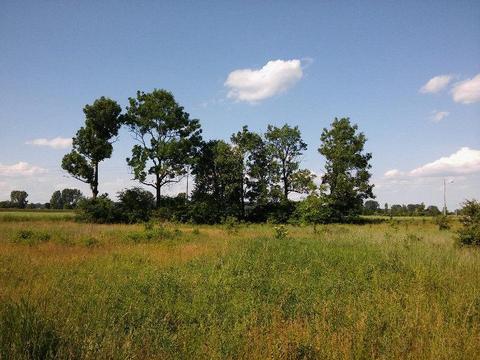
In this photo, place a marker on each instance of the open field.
(389, 290)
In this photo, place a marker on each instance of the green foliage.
(31, 237)
(231, 224)
(314, 210)
(442, 222)
(100, 210)
(90, 242)
(65, 199)
(167, 139)
(18, 199)
(218, 182)
(346, 170)
(469, 234)
(281, 232)
(93, 142)
(135, 205)
(285, 147)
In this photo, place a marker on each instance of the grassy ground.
(393, 290)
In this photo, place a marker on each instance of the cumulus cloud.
(55, 143)
(254, 85)
(467, 91)
(20, 169)
(438, 116)
(464, 161)
(436, 84)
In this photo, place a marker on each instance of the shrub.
(91, 242)
(442, 222)
(231, 224)
(281, 232)
(100, 210)
(469, 234)
(31, 237)
(136, 205)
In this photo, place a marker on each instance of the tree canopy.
(93, 141)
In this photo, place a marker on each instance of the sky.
(407, 73)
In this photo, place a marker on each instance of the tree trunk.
(158, 188)
(243, 197)
(95, 182)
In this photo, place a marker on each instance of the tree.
(135, 205)
(167, 139)
(18, 199)
(314, 210)
(218, 185)
(65, 199)
(346, 169)
(93, 142)
(56, 201)
(256, 167)
(371, 206)
(469, 234)
(71, 197)
(285, 146)
(433, 210)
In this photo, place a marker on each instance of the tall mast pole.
(444, 198)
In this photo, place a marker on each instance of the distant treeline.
(372, 207)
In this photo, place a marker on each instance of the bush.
(32, 237)
(100, 210)
(136, 205)
(281, 232)
(469, 234)
(442, 222)
(231, 224)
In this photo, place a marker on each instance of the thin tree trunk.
(95, 182)
(158, 188)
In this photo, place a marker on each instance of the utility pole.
(444, 198)
(445, 195)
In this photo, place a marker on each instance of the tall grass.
(399, 290)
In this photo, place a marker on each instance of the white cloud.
(467, 91)
(436, 84)
(253, 85)
(394, 173)
(20, 169)
(55, 143)
(464, 161)
(438, 116)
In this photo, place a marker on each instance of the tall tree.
(18, 199)
(218, 183)
(167, 139)
(56, 201)
(71, 197)
(285, 147)
(346, 169)
(93, 141)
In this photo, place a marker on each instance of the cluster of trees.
(251, 177)
(64, 199)
(18, 200)
(372, 207)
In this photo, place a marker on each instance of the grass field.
(390, 290)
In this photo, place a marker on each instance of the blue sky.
(367, 60)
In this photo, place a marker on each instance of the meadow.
(387, 290)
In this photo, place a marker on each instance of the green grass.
(389, 290)
(11, 215)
